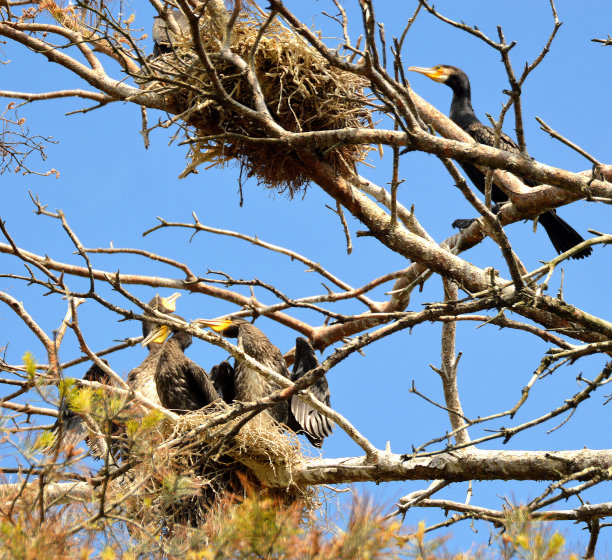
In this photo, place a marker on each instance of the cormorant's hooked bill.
(165, 305)
(160, 333)
(438, 73)
(561, 234)
(225, 326)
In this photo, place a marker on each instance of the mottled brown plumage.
(69, 429)
(182, 385)
(248, 385)
(142, 377)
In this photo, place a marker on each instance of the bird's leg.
(465, 223)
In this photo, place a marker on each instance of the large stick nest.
(303, 93)
(180, 483)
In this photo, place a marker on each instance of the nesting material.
(302, 92)
(180, 482)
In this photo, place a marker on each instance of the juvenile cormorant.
(561, 234)
(182, 385)
(222, 376)
(304, 419)
(69, 429)
(248, 385)
(142, 377)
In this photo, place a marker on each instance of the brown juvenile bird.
(142, 377)
(245, 384)
(561, 234)
(182, 385)
(70, 428)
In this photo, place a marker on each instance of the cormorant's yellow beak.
(436, 73)
(158, 336)
(170, 301)
(217, 325)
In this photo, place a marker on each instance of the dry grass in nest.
(182, 483)
(302, 91)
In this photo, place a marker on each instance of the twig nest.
(193, 464)
(303, 93)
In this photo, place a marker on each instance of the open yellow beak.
(170, 301)
(158, 336)
(217, 325)
(434, 73)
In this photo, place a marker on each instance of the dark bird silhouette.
(182, 385)
(70, 429)
(245, 384)
(306, 420)
(163, 38)
(222, 376)
(561, 234)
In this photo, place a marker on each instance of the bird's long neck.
(154, 350)
(181, 340)
(461, 111)
(254, 342)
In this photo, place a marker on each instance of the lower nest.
(181, 483)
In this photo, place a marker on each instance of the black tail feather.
(562, 235)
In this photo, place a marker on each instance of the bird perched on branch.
(243, 383)
(70, 428)
(142, 377)
(182, 385)
(561, 234)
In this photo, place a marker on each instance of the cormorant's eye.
(438, 67)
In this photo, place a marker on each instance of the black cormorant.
(248, 385)
(561, 234)
(182, 385)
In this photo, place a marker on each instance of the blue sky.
(111, 189)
